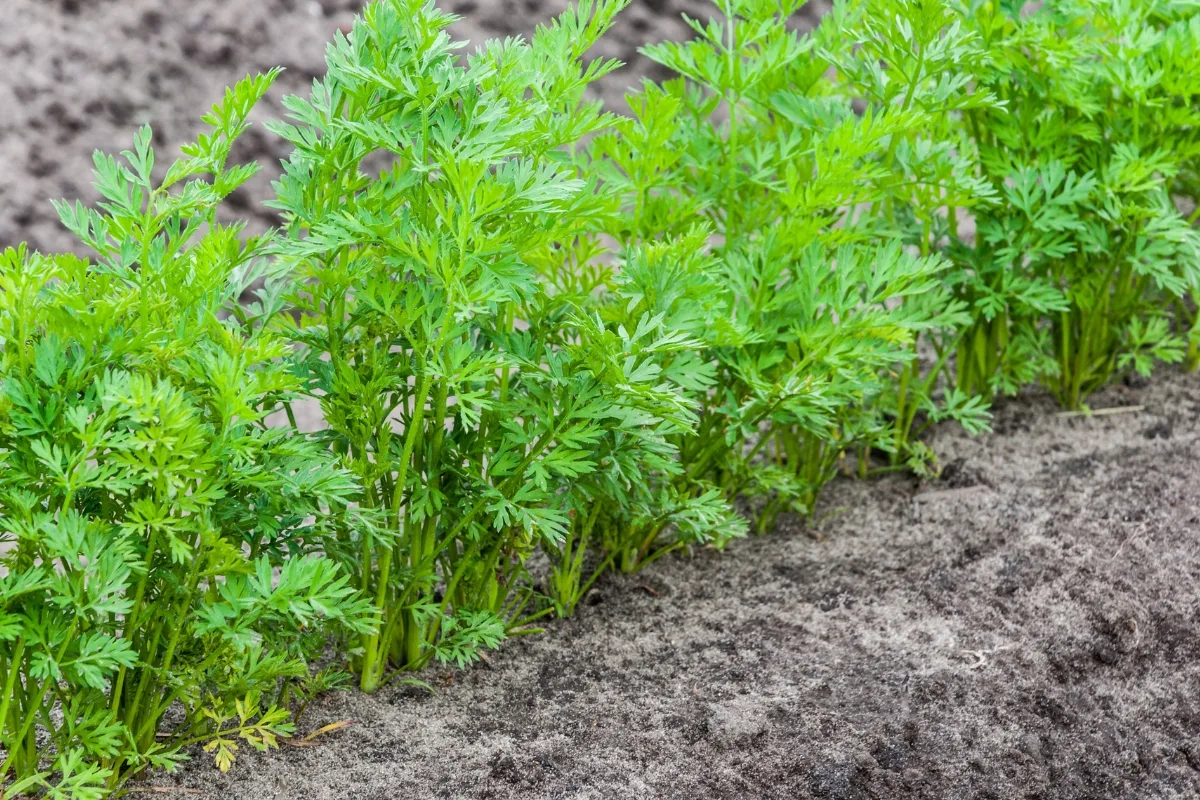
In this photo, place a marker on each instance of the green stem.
(374, 664)
(31, 709)
(13, 670)
(134, 618)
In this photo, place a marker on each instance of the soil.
(1024, 627)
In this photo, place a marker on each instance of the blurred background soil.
(81, 75)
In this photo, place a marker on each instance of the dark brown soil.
(1024, 628)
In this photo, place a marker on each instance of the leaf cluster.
(161, 543)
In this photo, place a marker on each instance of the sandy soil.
(1025, 627)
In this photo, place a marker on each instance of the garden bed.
(1025, 627)
(1022, 625)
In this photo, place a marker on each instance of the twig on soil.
(1101, 412)
(982, 655)
(649, 590)
(1136, 534)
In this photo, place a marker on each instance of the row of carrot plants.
(536, 326)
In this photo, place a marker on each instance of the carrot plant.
(1089, 254)
(914, 62)
(638, 504)
(425, 199)
(535, 326)
(803, 309)
(160, 544)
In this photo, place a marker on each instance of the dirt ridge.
(1033, 638)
